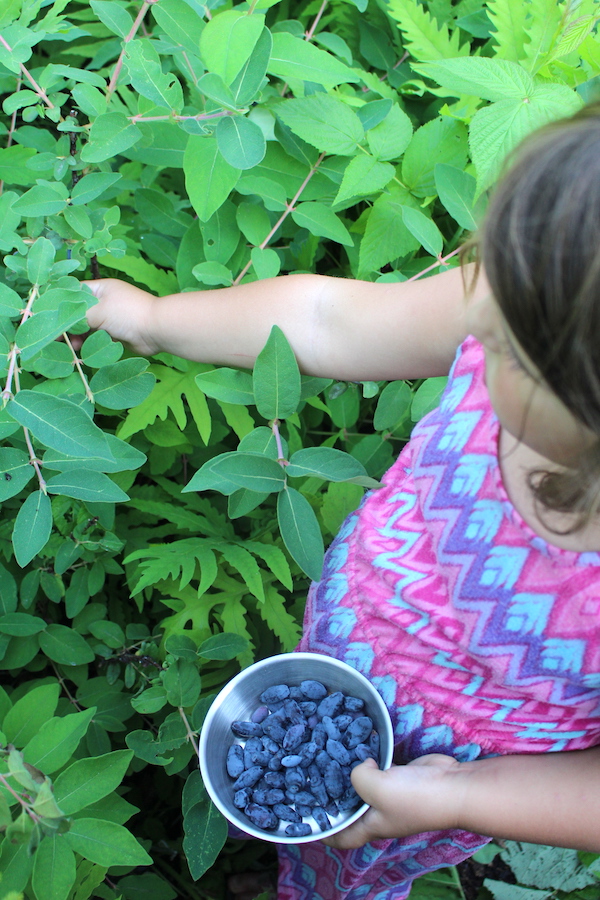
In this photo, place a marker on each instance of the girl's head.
(540, 248)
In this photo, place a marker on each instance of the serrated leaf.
(441, 140)
(390, 138)
(276, 378)
(281, 622)
(423, 38)
(246, 565)
(32, 527)
(364, 175)
(456, 190)
(386, 236)
(509, 21)
(300, 532)
(490, 79)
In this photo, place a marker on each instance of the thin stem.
(309, 34)
(288, 209)
(77, 361)
(280, 455)
(190, 733)
(138, 118)
(13, 123)
(14, 350)
(26, 807)
(62, 683)
(441, 261)
(190, 67)
(39, 91)
(35, 462)
(132, 33)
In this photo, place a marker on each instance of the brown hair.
(540, 248)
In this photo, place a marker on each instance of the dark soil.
(472, 875)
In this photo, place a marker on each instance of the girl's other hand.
(403, 800)
(125, 312)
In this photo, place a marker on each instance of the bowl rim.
(248, 828)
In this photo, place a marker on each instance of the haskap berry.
(301, 743)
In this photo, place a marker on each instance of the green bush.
(161, 518)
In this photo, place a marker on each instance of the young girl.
(467, 588)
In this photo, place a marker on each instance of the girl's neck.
(516, 461)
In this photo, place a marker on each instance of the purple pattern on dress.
(481, 637)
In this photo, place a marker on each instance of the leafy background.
(161, 518)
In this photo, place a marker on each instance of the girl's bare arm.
(354, 330)
(545, 798)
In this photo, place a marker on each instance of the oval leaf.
(32, 527)
(276, 378)
(300, 532)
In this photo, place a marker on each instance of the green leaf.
(92, 186)
(21, 624)
(15, 472)
(509, 22)
(113, 15)
(13, 165)
(150, 701)
(11, 304)
(54, 869)
(490, 79)
(500, 890)
(386, 236)
(205, 834)
(393, 404)
(110, 633)
(424, 229)
(391, 137)
(276, 378)
(29, 713)
(88, 780)
(442, 140)
(249, 470)
(32, 527)
(228, 385)
(267, 262)
(181, 681)
(422, 38)
(325, 462)
(42, 200)
(228, 40)
(456, 190)
(293, 57)
(57, 740)
(39, 261)
(249, 79)
(213, 273)
(148, 78)
(223, 646)
(110, 134)
(182, 23)
(65, 646)
(106, 843)
(496, 129)
(427, 397)
(82, 484)
(324, 122)
(364, 175)
(547, 867)
(241, 142)
(300, 532)
(60, 424)
(123, 384)
(99, 350)
(322, 221)
(209, 179)
(40, 329)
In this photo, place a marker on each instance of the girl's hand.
(125, 312)
(404, 800)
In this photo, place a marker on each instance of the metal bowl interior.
(238, 700)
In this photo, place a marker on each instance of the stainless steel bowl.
(239, 699)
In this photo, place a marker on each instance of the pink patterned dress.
(480, 636)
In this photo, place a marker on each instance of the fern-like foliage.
(509, 20)
(423, 39)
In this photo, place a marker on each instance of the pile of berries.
(300, 746)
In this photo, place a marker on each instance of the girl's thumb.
(366, 780)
